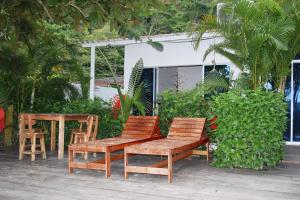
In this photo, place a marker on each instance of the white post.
(92, 73)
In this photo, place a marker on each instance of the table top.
(57, 116)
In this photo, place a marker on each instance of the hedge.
(181, 104)
(250, 129)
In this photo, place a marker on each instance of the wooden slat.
(135, 136)
(199, 152)
(137, 132)
(88, 165)
(189, 119)
(112, 158)
(195, 132)
(139, 128)
(176, 137)
(175, 158)
(138, 120)
(29, 152)
(187, 129)
(186, 133)
(135, 124)
(147, 170)
(188, 126)
(188, 123)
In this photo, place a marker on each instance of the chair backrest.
(95, 127)
(187, 128)
(89, 128)
(26, 121)
(141, 127)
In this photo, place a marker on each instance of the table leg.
(53, 135)
(61, 137)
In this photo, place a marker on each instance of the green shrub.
(250, 129)
(181, 104)
(108, 126)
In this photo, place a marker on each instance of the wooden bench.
(137, 129)
(185, 134)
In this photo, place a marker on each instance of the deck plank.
(48, 179)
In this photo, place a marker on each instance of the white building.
(179, 65)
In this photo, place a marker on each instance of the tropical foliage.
(50, 63)
(181, 104)
(40, 51)
(133, 99)
(261, 37)
(250, 128)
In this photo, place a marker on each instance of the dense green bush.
(108, 126)
(250, 129)
(181, 104)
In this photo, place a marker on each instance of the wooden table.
(61, 118)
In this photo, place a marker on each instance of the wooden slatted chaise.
(137, 129)
(185, 134)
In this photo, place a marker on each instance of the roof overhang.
(175, 37)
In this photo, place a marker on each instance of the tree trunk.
(32, 96)
(282, 83)
(8, 131)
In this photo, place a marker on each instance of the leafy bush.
(181, 104)
(250, 129)
(108, 126)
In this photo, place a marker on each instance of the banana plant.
(133, 97)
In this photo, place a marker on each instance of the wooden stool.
(26, 132)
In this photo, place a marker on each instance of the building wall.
(174, 54)
(105, 93)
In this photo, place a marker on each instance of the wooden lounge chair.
(185, 134)
(137, 129)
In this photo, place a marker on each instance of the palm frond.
(135, 77)
(156, 45)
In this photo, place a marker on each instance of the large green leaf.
(156, 45)
(135, 77)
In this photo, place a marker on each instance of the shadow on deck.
(193, 179)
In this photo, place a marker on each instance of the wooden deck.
(49, 179)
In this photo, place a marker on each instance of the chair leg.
(71, 159)
(43, 148)
(75, 142)
(107, 163)
(85, 155)
(22, 148)
(33, 144)
(125, 164)
(170, 167)
(72, 138)
(207, 152)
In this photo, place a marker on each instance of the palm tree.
(282, 59)
(254, 34)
